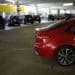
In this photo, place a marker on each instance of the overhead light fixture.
(68, 4)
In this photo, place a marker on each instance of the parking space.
(17, 55)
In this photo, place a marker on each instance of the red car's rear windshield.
(56, 24)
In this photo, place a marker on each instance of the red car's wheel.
(65, 56)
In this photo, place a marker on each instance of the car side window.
(72, 29)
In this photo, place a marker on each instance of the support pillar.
(49, 11)
(58, 13)
(18, 8)
(36, 9)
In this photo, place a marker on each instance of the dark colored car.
(37, 18)
(13, 21)
(21, 17)
(57, 41)
(51, 17)
(2, 23)
(28, 19)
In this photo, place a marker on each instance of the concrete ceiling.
(5, 1)
(39, 1)
(45, 1)
(54, 4)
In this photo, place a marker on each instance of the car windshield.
(56, 24)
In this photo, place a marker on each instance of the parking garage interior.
(17, 54)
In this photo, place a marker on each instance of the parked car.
(37, 18)
(2, 23)
(13, 21)
(21, 17)
(57, 41)
(51, 17)
(28, 19)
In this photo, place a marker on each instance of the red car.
(57, 40)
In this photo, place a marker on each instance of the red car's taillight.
(41, 29)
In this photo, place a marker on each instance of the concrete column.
(36, 9)
(58, 13)
(18, 8)
(49, 11)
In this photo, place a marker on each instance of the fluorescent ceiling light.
(68, 4)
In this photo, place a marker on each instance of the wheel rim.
(66, 56)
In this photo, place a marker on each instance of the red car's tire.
(65, 56)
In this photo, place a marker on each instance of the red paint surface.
(47, 42)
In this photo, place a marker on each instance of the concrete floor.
(17, 55)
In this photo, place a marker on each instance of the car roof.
(70, 20)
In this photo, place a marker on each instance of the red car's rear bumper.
(46, 52)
